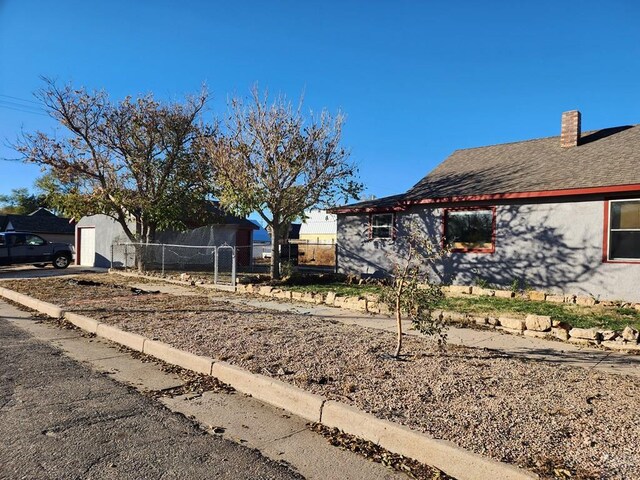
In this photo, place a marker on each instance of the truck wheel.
(61, 261)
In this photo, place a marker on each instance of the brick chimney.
(570, 133)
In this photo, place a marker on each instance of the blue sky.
(416, 80)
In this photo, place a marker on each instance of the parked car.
(20, 248)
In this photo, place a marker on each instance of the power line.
(20, 105)
(8, 107)
(20, 99)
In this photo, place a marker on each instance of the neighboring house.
(559, 213)
(96, 234)
(319, 226)
(42, 222)
(261, 243)
(318, 235)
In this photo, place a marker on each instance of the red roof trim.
(568, 192)
(540, 194)
(398, 208)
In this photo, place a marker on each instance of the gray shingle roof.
(603, 158)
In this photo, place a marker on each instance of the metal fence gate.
(218, 262)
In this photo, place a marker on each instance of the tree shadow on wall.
(542, 244)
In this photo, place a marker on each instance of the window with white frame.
(624, 229)
(382, 225)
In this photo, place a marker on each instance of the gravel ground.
(561, 422)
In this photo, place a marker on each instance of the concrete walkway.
(515, 345)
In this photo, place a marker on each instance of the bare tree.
(274, 161)
(133, 160)
(411, 292)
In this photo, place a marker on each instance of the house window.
(624, 230)
(469, 230)
(381, 225)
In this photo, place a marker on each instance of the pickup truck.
(19, 248)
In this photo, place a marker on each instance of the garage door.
(87, 246)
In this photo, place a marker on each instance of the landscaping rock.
(504, 294)
(555, 298)
(459, 290)
(373, 307)
(318, 298)
(297, 295)
(265, 290)
(484, 292)
(513, 331)
(330, 298)
(308, 297)
(560, 333)
(454, 316)
(478, 320)
(607, 335)
(284, 294)
(581, 341)
(537, 296)
(492, 321)
(637, 306)
(384, 309)
(630, 334)
(585, 301)
(512, 323)
(538, 323)
(584, 333)
(355, 303)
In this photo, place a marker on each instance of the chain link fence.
(221, 263)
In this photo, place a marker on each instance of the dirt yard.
(560, 422)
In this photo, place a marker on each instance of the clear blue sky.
(416, 80)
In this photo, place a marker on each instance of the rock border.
(446, 456)
(538, 326)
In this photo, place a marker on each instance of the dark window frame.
(445, 214)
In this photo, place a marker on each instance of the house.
(42, 222)
(560, 214)
(96, 234)
(319, 226)
(261, 244)
(318, 235)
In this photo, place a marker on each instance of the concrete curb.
(295, 400)
(169, 354)
(38, 305)
(130, 340)
(87, 324)
(446, 456)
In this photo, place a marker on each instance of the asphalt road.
(60, 420)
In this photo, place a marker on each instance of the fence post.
(233, 267)
(163, 259)
(111, 259)
(126, 257)
(336, 259)
(215, 265)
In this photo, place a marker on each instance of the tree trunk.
(275, 251)
(399, 324)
